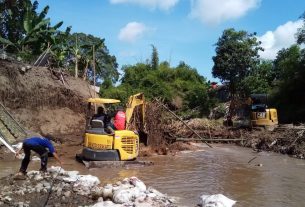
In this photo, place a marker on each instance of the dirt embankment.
(43, 104)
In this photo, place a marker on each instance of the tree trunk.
(76, 67)
(85, 71)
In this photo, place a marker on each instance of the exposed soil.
(43, 104)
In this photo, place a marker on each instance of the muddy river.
(278, 181)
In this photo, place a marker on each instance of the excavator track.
(10, 129)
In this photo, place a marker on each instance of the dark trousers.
(43, 153)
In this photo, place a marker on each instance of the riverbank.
(58, 187)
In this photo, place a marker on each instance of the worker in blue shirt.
(41, 146)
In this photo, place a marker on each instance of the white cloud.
(152, 4)
(216, 11)
(132, 32)
(282, 37)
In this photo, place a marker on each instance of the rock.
(47, 185)
(96, 193)
(69, 184)
(151, 195)
(38, 177)
(118, 183)
(138, 183)
(20, 204)
(7, 199)
(106, 204)
(22, 69)
(107, 191)
(59, 191)
(217, 200)
(141, 198)
(125, 195)
(154, 192)
(67, 194)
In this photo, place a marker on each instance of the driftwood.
(59, 75)
(183, 122)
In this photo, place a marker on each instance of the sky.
(181, 30)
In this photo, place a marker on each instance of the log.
(207, 140)
(183, 122)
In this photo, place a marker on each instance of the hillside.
(42, 103)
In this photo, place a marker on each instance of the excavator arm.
(133, 102)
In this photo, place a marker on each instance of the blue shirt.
(40, 141)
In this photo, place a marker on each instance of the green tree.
(154, 58)
(236, 56)
(288, 95)
(35, 35)
(301, 32)
(260, 79)
(11, 21)
(286, 62)
(180, 84)
(81, 52)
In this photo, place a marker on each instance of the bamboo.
(183, 122)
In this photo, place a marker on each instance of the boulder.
(217, 200)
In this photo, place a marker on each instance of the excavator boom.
(134, 101)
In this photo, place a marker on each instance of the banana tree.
(37, 31)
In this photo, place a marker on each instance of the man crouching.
(41, 146)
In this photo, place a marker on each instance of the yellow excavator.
(253, 112)
(100, 145)
(261, 115)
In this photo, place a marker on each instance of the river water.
(278, 182)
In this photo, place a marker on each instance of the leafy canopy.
(236, 56)
(181, 87)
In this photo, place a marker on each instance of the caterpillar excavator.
(254, 113)
(119, 145)
(261, 115)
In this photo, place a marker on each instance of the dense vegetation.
(27, 33)
(181, 87)
(238, 65)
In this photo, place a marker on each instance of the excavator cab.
(100, 144)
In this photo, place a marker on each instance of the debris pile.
(58, 187)
(289, 141)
